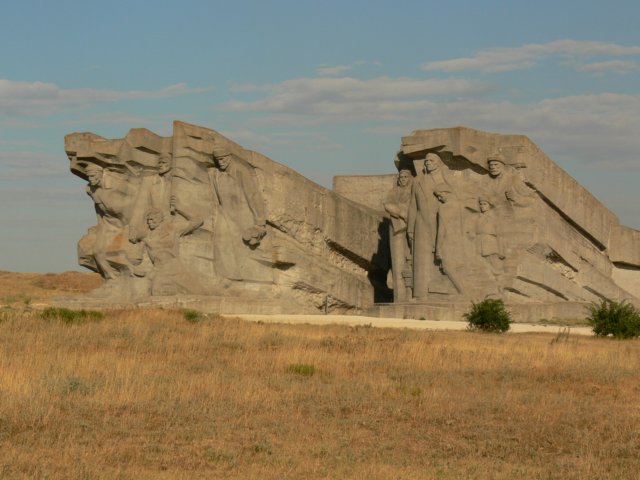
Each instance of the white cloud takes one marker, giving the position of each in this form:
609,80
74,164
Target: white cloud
23,98
348,98
587,129
584,127
615,66
328,70
333,70
526,56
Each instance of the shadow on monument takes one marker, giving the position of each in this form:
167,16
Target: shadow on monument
381,265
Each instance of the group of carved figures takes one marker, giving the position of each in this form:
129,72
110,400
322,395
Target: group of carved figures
450,229
142,224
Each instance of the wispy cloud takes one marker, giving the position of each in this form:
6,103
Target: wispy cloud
611,66
331,70
37,98
526,56
348,98
296,140
595,130
585,127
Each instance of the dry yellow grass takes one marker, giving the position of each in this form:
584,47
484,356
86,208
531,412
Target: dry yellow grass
150,395
27,288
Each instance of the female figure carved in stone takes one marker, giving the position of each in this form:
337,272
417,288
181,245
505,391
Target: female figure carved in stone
397,206
421,223
450,246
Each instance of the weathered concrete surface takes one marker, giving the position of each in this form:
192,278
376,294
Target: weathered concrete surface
369,190
624,245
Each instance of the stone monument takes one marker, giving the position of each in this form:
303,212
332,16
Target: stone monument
196,220
491,216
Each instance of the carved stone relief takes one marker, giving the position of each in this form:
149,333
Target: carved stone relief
196,214
471,215
397,207
485,222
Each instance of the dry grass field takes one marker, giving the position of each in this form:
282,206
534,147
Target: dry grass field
152,395
18,289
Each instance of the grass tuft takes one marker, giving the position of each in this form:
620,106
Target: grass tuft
301,369
70,317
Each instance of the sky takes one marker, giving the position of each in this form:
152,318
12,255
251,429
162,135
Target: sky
324,87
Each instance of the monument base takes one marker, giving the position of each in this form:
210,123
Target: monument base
236,305
206,304
454,311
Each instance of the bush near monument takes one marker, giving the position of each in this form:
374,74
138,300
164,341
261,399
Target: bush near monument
489,316
618,319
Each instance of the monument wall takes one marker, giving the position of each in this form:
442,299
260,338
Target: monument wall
369,190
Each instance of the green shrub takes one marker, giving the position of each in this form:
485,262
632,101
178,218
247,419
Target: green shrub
489,315
68,316
618,319
192,316
301,369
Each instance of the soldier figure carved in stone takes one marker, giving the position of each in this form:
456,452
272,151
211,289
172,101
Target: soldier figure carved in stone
421,223
508,187
240,223
489,240
169,276
113,206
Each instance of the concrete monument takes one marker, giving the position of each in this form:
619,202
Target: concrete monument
195,219
492,216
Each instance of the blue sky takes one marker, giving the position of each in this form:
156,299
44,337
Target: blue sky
327,88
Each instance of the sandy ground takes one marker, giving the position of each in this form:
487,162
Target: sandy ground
354,320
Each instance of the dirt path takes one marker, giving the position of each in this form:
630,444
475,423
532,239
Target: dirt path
354,320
